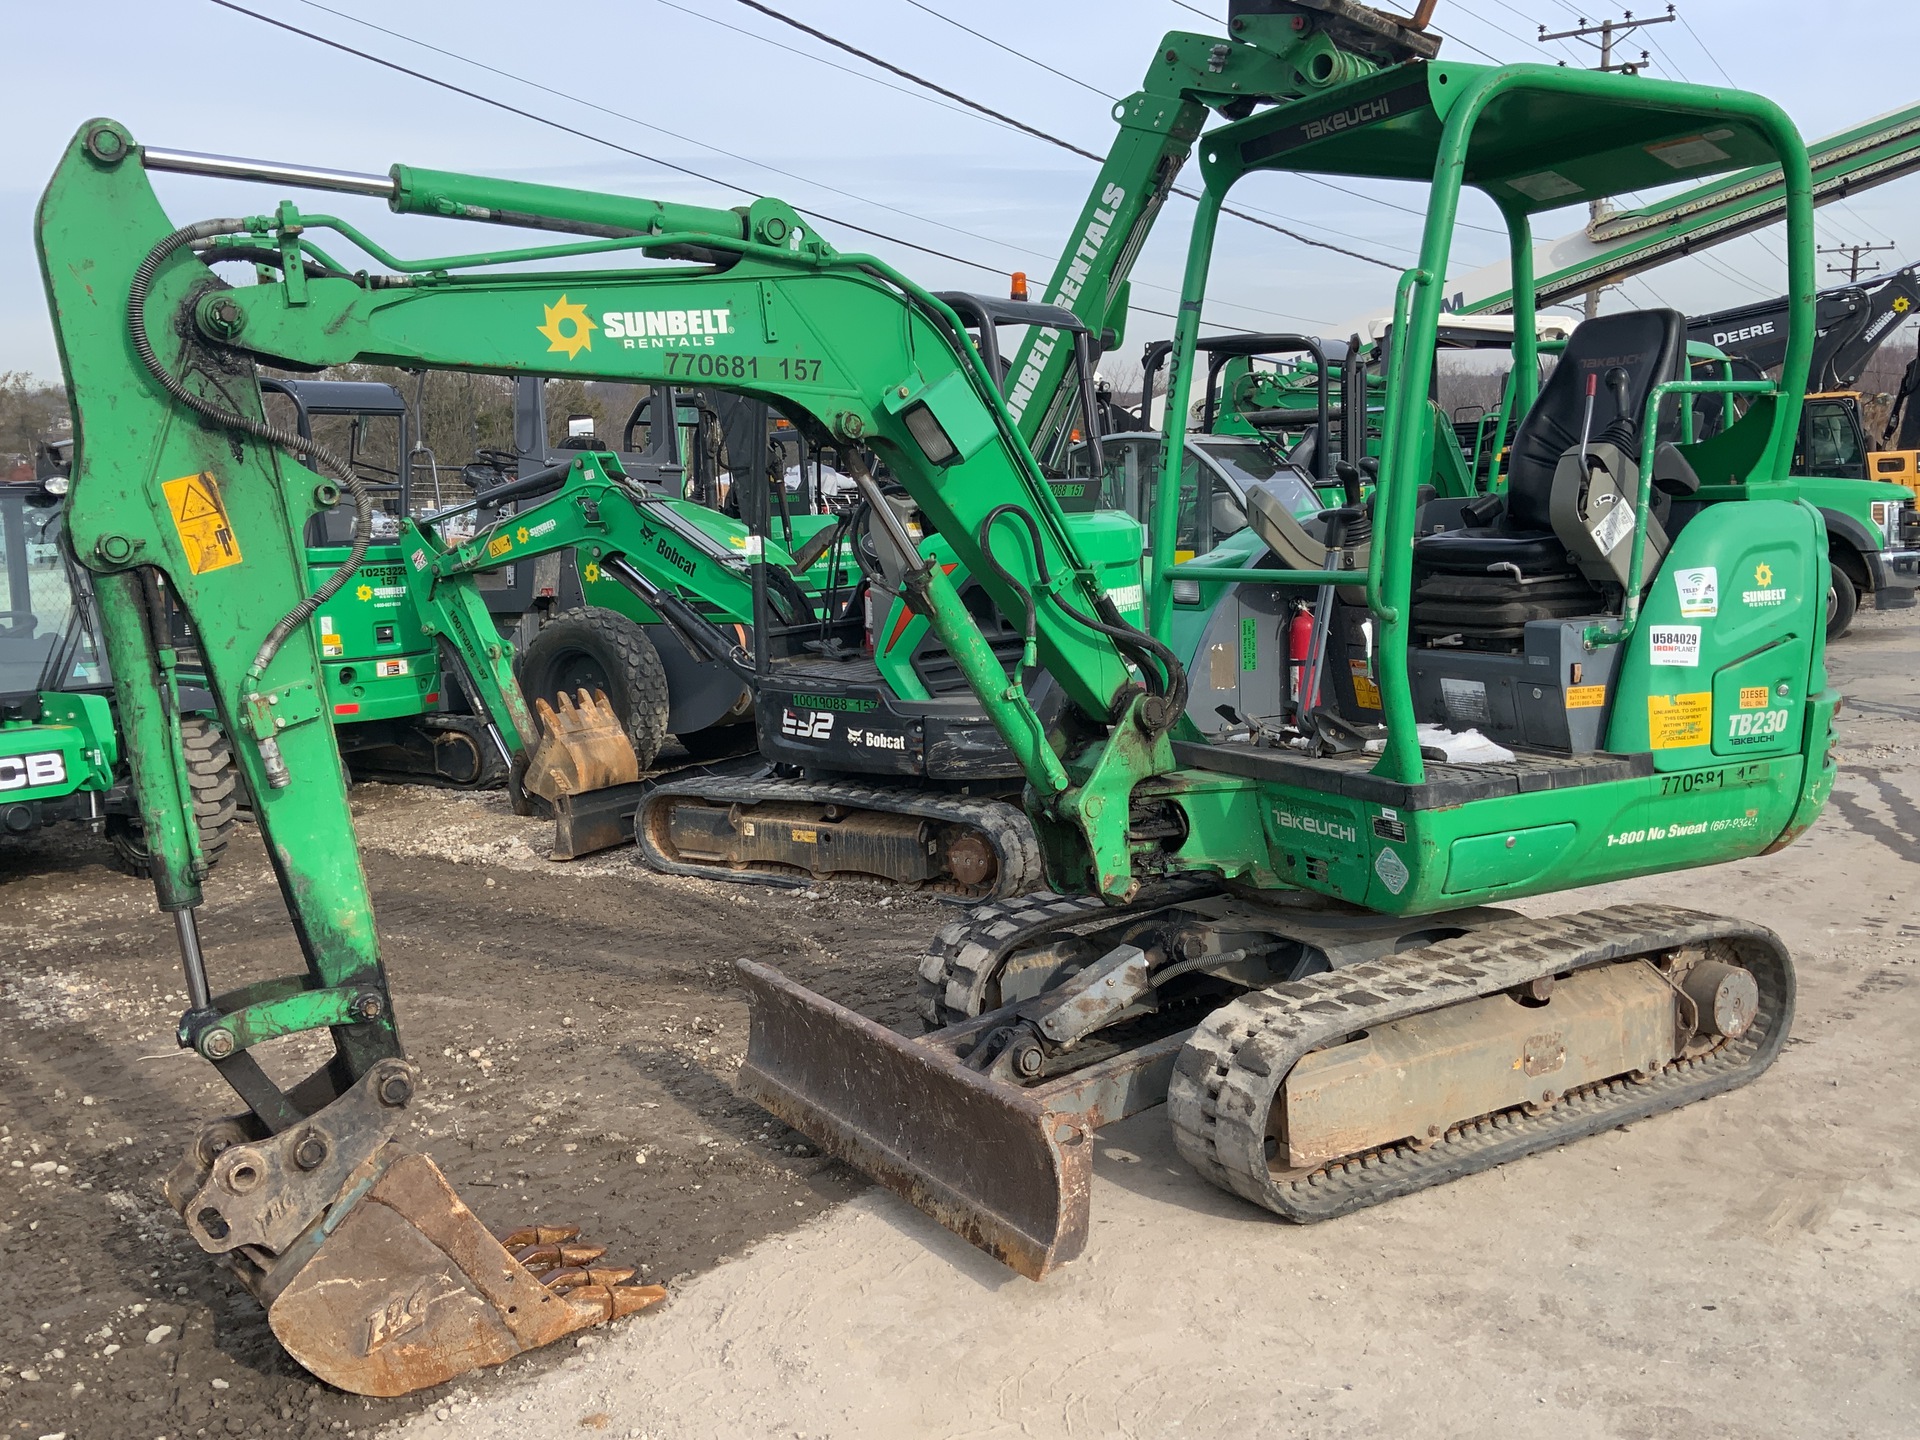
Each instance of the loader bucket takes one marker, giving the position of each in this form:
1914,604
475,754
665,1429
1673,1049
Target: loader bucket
402,1288
582,747
1006,1168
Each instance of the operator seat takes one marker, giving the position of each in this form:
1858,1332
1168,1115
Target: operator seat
1490,577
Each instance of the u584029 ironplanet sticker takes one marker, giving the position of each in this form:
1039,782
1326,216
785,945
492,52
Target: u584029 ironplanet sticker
1674,644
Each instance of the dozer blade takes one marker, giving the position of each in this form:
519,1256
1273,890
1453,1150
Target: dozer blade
374,1275
1007,1167
582,747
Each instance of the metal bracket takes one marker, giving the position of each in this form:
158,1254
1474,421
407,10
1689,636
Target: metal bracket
264,1193
272,711
1106,991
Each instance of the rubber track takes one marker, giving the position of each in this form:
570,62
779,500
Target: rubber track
1005,827
493,770
1230,1072
966,954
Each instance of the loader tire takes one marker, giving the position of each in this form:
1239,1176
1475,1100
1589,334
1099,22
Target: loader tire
214,782
596,649
1843,601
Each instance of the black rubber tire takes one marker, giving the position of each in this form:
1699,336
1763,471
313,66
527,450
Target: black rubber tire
596,649
215,782
1843,602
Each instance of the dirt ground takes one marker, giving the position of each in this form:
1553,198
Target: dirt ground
579,1028
1744,1267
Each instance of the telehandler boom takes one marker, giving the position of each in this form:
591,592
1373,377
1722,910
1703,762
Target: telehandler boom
1292,946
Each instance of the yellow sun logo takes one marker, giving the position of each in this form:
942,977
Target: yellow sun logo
569,341
1902,305
1763,574
592,573
365,592
521,534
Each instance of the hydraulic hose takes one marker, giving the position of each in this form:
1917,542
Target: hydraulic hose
310,450
1143,648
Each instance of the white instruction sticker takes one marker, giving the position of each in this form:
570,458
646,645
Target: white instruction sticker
1675,644
1699,592
1614,526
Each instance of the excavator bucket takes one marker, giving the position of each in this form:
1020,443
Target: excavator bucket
1007,1167
584,768
410,1290
582,746
374,1275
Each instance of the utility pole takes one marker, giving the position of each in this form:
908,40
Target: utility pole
1852,264
1602,37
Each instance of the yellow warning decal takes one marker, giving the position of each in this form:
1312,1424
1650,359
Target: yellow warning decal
806,837
1677,721
1586,697
499,545
206,535
1753,697
1366,694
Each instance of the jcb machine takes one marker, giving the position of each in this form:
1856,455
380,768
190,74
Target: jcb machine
61,756
1293,945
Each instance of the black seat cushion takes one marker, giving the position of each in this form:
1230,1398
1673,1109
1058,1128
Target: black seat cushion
1472,550
1648,344
1490,612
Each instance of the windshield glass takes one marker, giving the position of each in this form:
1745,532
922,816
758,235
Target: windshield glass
1211,507
36,603
1252,462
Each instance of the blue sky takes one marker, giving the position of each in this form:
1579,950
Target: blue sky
190,75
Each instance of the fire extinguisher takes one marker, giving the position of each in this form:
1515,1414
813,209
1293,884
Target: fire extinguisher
1299,645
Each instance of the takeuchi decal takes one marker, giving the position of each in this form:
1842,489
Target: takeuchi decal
568,328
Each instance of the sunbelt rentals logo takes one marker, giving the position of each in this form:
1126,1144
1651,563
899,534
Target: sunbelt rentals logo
568,328
1765,592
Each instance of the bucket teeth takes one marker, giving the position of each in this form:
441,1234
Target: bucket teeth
582,747
537,1235
613,1302
574,1276
546,1257
408,1289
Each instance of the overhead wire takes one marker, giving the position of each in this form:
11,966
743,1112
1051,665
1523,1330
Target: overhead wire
1001,45
771,13
1715,59
587,135
523,113
672,134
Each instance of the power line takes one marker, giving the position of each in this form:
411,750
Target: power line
808,55
1017,54
793,175
672,134
1038,134
584,134
1853,265
539,119
1706,52
1609,31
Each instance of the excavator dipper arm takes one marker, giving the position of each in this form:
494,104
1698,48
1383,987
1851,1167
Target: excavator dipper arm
374,1274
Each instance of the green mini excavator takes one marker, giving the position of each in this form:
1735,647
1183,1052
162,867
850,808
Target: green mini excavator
1293,940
